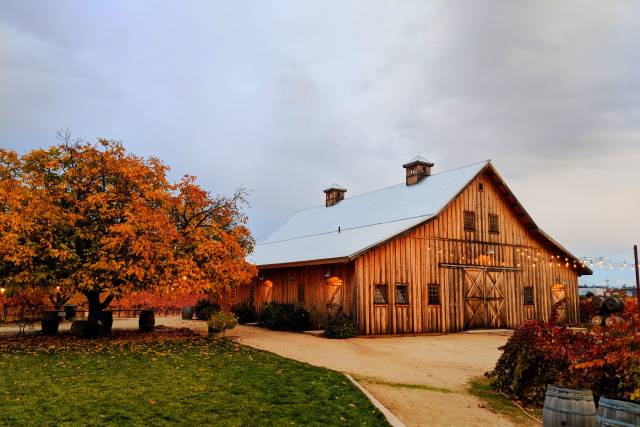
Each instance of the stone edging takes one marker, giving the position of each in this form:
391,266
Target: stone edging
392,419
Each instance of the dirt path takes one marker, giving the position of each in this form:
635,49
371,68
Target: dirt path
422,380
404,373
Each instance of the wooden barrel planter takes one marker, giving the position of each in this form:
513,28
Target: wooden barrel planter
617,413
613,304
50,323
566,407
147,321
70,312
597,302
187,313
107,322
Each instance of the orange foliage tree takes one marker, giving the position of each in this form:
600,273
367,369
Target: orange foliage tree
94,219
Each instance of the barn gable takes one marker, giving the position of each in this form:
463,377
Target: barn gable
344,230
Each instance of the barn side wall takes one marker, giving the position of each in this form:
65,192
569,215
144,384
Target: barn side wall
416,259
282,286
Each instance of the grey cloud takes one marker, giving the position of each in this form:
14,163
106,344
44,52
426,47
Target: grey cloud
284,97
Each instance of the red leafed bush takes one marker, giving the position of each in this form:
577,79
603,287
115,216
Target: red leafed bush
586,309
162,303
607,361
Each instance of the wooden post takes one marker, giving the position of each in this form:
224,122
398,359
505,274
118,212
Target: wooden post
635,255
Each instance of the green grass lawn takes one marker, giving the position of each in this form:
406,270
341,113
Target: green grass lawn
481,388
190,381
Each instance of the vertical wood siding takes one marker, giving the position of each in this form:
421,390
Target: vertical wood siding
415,259
285,283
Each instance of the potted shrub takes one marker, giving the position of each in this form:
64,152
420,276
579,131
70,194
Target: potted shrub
220,321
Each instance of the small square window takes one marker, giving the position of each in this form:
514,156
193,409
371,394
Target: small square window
528,295
470,220
493,224
300,294
252,294
480,186
402,294
434,294
380,296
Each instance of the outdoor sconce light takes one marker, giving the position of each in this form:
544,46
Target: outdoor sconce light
327,274
261,279
2,290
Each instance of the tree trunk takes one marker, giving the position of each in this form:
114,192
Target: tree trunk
95,306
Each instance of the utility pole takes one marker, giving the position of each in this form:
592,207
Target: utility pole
637,268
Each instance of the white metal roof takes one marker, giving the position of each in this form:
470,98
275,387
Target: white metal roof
360,222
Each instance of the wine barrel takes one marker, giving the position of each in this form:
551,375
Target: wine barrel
106,322
70,312
147,321
568,407
617,413
187,313
597,302
50,323
613,305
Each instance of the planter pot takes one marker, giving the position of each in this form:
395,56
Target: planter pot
187,313
216,333
50,323
147,321
70,312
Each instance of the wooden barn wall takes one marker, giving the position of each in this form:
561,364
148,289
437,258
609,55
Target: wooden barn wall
316,292
414,259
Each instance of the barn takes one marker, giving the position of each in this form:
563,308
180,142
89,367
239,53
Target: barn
440,252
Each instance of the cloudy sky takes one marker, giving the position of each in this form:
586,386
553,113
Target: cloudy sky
285,97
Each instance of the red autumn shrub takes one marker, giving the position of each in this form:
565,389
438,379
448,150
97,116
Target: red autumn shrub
163,303
586,310
605,360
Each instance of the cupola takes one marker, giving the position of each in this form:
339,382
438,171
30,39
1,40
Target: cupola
334,193
417,169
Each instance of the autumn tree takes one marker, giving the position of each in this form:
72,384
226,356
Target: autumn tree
95,219
214,239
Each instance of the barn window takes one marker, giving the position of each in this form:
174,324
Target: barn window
528,295
300,294
493,224
433,294
402,294
480,186
252,294
470,220
380,295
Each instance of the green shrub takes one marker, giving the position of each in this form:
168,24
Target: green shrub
285,317
221,320
205,308
246,313
340,326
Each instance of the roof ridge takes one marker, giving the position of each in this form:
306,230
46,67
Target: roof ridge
391,186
